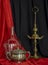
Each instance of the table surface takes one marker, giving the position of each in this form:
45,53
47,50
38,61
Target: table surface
31,61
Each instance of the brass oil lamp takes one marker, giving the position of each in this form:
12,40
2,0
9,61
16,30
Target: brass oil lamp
35,36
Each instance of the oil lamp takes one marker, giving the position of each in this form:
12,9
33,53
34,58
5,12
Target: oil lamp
35,36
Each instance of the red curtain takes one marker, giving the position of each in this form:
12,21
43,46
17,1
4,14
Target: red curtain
6,23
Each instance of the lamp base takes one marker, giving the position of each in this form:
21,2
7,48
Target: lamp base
36,57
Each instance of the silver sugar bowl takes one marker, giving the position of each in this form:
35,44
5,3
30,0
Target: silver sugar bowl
18,55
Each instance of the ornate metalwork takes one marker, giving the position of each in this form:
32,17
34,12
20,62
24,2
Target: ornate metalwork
19,55
13,50
35,36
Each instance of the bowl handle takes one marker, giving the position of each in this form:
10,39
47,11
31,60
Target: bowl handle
8,54
29,55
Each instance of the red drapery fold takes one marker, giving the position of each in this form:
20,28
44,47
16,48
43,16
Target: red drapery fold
41,61
6,23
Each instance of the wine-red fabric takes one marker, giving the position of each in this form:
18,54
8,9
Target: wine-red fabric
41,61
6,23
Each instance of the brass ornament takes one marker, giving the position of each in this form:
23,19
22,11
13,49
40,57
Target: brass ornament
35,36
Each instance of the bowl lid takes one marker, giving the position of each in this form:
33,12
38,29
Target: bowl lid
18,51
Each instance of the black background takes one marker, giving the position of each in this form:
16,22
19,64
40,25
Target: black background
23,22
